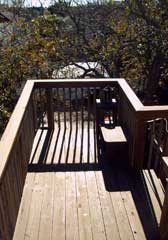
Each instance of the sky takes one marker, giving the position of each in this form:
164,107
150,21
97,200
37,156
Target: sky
45,3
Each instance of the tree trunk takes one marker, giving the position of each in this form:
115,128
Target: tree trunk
153,80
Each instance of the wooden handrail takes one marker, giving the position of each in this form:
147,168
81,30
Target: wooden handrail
19,135
132,113
15,150
131,96
72,83
14,125
51,83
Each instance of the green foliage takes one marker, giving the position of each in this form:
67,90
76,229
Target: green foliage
26,48
129,39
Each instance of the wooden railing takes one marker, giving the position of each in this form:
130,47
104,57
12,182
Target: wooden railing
129,106
156,149
15,149
17,141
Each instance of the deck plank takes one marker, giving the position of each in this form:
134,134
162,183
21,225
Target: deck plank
24,208
92,147
85,229
81,203
95,207
59,207
77,146
69,143
37,156
143,204
52,146
33,224
85,150
107,209
155,191
45,229
132,213
72,231
59,153
120,211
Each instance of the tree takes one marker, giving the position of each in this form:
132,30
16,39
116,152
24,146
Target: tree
25,53
93,35
129,39
151,41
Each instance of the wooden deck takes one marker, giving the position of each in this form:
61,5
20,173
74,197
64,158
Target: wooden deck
69,194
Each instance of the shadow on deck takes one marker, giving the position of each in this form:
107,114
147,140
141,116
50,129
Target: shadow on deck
128,203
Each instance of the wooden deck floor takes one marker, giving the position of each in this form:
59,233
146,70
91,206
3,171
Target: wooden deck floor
68,194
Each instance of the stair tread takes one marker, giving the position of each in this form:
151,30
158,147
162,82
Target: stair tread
114,135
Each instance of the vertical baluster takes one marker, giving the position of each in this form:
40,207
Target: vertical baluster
82,112
159,139
99,119
50,111
152,136
94,122
4,210
9,202
88,97
76,103
165,144
64,99
58,107
54,104
4,233
70,108
82,125
41,120
34,109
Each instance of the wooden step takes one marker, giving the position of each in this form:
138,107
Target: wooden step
115,147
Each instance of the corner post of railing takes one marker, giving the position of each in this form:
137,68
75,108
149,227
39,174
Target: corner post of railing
139,143
131,119
163,228
50,110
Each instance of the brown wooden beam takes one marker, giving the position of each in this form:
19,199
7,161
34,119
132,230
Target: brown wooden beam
163,228
50,111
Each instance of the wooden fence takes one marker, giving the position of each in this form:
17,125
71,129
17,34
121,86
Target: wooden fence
17,140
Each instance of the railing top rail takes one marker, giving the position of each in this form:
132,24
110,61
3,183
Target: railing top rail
132,98
101,82
11,132
153,112
53,83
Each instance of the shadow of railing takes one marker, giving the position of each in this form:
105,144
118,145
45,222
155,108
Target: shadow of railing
71,145
79,137
129,180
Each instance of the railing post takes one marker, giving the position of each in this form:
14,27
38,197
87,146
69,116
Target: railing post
139,144
50,111
163,229
34,113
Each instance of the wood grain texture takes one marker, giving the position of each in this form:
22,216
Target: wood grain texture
79,203
73,144
15,150
164,218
